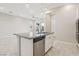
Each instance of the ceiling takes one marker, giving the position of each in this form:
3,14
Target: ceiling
28,9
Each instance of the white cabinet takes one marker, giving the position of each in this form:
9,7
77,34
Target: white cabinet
48,42
26,47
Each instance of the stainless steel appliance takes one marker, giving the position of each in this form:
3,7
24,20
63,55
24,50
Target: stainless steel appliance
39,46
77,31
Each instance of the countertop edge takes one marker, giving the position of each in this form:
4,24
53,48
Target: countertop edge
21,35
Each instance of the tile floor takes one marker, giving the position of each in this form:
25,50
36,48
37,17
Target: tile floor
61,48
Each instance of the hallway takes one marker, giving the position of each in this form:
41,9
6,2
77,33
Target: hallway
63,49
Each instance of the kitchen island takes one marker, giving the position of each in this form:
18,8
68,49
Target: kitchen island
32,45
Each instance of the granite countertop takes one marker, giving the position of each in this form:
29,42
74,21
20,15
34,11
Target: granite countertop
26,35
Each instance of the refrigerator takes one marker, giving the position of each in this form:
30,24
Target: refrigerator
77,31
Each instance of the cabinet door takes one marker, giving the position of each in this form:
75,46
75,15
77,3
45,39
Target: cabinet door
48,42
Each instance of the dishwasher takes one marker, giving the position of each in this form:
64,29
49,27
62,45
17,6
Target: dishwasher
39,46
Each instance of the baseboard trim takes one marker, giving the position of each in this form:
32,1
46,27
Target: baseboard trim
66,42
48,50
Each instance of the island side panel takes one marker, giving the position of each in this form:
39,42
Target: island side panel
26,47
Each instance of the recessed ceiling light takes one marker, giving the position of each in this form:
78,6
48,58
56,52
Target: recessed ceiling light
27,5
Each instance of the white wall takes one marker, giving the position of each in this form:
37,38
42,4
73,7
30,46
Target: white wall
10,25
65,24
